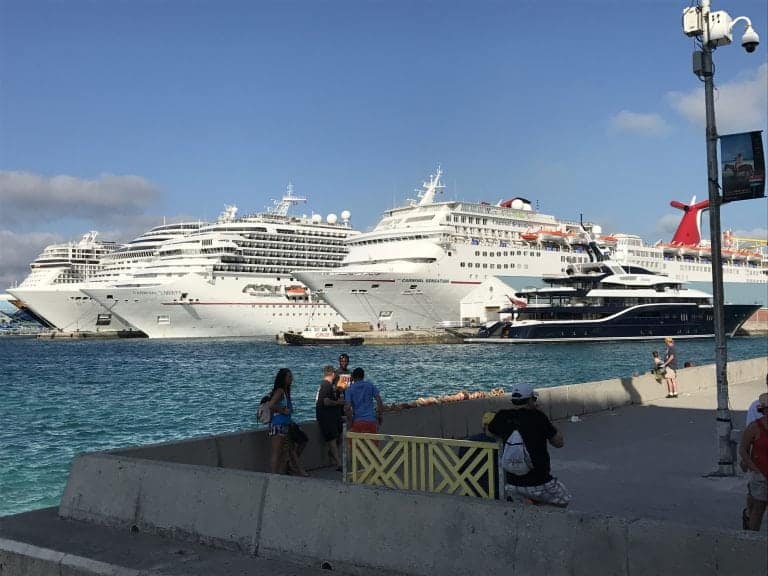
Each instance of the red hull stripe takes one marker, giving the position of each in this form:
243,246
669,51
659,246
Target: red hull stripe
463,282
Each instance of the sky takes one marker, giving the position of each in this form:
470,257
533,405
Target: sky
117,114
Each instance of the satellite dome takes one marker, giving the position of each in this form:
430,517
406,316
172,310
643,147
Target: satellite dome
517,204
331,218
346,215
527,208
316,218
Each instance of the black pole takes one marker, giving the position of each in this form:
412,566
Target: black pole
725,464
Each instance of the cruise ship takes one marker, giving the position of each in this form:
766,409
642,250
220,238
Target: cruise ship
234,278
416,265
52,290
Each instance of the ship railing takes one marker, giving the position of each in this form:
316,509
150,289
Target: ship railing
422,464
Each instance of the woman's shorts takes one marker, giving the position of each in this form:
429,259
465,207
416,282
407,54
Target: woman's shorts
670,373
278,430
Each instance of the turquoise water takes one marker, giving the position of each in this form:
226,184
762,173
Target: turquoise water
58,398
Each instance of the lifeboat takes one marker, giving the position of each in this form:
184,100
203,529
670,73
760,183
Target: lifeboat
529,236
705,252
553,236
688,251
670,250
739,255
608,240
296,291
754,257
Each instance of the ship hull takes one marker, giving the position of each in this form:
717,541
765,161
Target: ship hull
645,322
194,307
68,310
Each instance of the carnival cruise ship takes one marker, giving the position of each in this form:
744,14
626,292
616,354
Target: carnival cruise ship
420,260
52,289
234,278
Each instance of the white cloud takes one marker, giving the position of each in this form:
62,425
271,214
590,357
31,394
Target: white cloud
28,197
755,233
637,123
667,225
740,105
17,251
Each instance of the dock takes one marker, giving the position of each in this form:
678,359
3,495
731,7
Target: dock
636,462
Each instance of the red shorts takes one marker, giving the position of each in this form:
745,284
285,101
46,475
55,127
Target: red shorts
364,426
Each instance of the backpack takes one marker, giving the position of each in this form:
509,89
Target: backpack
264,413
515,458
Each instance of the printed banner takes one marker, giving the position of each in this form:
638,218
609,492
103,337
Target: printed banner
743,166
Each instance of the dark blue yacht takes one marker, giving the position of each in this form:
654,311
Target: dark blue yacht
602,300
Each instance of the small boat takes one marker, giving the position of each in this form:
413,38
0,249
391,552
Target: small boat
529,236
554,236
608,240
318,336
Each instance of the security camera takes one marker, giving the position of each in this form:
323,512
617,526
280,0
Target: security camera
750,40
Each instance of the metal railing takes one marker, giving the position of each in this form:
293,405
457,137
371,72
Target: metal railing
436,465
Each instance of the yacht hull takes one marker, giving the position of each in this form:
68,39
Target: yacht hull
644,322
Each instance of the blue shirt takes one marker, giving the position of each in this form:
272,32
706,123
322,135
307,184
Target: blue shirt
361,395
279,418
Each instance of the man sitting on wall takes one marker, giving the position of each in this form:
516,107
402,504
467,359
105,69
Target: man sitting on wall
536,431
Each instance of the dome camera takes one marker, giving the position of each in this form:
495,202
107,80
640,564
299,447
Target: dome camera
750,40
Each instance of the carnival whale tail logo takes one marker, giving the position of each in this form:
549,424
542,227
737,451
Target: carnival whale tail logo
688,232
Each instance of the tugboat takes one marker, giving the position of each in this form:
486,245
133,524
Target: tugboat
318,336
602,300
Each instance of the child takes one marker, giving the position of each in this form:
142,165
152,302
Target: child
657,370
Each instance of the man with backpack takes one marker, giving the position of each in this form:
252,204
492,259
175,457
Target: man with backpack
526,431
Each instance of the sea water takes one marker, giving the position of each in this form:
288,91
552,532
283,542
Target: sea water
59,398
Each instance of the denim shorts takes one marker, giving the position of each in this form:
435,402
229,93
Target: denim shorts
278,430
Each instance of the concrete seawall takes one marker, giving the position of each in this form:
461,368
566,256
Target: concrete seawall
211,490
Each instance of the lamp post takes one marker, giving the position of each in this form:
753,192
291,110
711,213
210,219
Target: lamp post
713,29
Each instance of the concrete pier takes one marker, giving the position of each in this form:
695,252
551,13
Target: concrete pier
634,460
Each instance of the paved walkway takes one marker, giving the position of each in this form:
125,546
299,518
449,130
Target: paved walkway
651,461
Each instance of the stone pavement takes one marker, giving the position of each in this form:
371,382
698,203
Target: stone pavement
651,461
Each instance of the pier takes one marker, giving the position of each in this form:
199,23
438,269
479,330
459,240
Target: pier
635,461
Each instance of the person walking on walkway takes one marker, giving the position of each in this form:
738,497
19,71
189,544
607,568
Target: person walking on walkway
752,412
753,451
536,431
359,400
328,413
670,367
342,377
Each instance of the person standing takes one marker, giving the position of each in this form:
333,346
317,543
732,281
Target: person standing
281,408
753,452
670,367
328,413
342,376
752,412
536,431
360,399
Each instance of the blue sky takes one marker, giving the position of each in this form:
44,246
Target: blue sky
115,114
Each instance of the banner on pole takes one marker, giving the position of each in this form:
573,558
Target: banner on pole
743,166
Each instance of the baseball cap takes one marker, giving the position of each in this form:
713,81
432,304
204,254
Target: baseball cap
522,392
487,417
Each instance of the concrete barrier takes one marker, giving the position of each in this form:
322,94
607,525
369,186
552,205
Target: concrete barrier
363,529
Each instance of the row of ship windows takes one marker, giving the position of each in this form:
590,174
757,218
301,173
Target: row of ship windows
508,253
493,266
384,240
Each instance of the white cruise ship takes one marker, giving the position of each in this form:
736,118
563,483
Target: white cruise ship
420,260
234,278
52,289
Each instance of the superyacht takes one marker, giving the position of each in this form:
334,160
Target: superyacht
234,278
416,265
52,290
